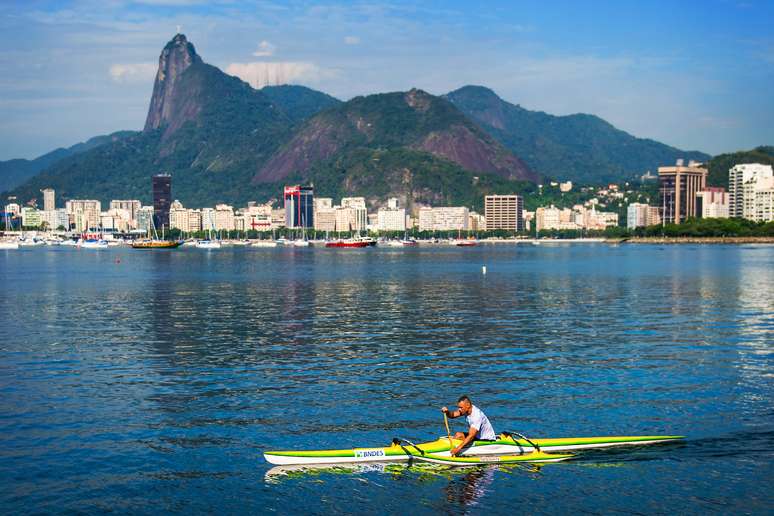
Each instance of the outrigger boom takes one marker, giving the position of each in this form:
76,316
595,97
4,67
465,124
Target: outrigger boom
506,445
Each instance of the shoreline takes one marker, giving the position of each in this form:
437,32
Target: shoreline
695,240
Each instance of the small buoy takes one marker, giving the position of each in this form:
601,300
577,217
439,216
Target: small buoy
483,269
118,260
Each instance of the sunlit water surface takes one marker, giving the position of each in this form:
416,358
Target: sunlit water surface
147,382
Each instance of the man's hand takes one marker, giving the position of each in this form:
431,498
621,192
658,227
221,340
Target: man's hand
444,410
455,451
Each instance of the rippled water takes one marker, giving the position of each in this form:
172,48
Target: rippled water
152,381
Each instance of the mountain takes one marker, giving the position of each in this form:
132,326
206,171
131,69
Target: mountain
210,130
582,148
14,172
412,121
719,165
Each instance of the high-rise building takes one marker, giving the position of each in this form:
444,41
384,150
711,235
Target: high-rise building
162,200
504,212
642,215
764,200
299,206
444,218
678,188
130,206
85,213
712,203
391,219
742,184
49,199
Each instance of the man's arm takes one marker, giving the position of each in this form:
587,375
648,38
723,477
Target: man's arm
450,414
472,433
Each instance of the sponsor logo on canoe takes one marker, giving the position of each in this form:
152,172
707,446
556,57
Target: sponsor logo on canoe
484,458
366,453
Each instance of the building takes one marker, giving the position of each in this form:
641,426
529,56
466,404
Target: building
278,217
391,218
764,200
678,188
208,219
145,219
257,218
299,206
55,219
224,217
131,207
712,203
30,217
577,218
742,183
449,218
325,219
504,212
162,200
641,215
565,187
476,221
360,212
49,199
84,213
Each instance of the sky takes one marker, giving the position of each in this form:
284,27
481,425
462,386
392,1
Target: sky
694,74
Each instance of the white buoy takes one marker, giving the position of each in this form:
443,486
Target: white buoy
483,269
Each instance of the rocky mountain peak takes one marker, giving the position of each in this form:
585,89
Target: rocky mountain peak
176,57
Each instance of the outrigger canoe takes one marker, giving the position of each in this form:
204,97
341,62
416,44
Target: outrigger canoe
504,446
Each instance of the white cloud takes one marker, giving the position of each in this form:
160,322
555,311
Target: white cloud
260,74
352,40
265,49
132,72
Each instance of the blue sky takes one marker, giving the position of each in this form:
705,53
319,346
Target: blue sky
697,75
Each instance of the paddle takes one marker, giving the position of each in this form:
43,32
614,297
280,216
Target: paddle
448,432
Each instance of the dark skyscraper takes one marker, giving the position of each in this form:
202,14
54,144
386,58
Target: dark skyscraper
299,206
162,199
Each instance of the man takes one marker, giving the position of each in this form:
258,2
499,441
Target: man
480,427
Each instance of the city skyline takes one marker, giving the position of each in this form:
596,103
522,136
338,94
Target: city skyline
82,69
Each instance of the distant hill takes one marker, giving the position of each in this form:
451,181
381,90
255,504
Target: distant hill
16,171
582,148
720,164
210,130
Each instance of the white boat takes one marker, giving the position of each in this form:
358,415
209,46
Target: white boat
239,242
69,242
301,243
30,242
208,244
90,243
9,244
264,243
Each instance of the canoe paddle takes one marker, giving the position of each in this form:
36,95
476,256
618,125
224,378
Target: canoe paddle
448,432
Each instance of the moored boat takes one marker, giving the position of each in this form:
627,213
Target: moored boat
505,445
208,244
156,244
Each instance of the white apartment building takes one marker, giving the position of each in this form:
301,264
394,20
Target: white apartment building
54,219
712,203
764,200
391,219
742,181
448,218
359,212
224,217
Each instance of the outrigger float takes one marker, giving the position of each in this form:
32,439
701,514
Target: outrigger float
509,447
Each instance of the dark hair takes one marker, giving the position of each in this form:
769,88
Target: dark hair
464,398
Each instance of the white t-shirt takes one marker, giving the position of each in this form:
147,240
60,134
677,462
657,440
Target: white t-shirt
480,422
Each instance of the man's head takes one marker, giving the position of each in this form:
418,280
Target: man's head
465,405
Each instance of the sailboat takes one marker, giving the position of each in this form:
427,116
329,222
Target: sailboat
208,243
156,242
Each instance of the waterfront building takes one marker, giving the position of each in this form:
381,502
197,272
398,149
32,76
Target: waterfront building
84,213
145,219
325,219
54,219
742,182
115,220
224,217
278,217
347,219
360,212
13,209
391,218
642,215
208,219
504,212
577,218
162,199
476,221
49,199
764,200
679,185
712,203
257,217
449,218
30,217
131,207
299,206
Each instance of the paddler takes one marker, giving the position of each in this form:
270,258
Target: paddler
480,427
